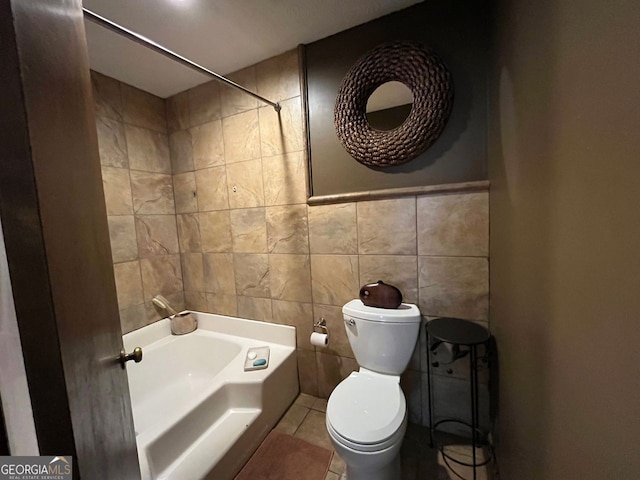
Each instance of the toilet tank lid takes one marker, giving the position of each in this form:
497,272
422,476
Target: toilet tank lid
405,313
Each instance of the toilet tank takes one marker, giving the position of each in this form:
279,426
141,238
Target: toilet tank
382,339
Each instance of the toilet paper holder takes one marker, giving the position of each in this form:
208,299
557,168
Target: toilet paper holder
321,324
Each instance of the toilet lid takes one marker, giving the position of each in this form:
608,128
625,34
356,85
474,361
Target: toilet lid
366,408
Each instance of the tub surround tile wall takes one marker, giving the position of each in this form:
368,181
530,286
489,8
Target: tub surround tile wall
287,230
136,171
122,233
143,109
113,148
234,101
285,179
240,195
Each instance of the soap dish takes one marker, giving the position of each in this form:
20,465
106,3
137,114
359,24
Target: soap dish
257,358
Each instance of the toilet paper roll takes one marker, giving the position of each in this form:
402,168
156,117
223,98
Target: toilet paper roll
319,339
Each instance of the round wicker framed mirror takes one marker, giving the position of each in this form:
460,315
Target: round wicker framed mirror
430,82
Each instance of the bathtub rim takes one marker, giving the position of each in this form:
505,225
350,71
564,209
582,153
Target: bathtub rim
240,327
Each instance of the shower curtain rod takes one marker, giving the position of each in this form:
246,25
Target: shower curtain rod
145,42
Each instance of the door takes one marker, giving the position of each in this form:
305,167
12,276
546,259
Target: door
57,241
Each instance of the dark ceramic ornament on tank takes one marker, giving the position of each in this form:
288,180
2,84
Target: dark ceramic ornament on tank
380,295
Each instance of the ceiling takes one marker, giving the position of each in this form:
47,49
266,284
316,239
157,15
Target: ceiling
222,35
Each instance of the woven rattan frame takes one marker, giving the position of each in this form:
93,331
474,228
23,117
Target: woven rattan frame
429,79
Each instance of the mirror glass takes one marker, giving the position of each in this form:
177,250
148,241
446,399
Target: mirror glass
389,105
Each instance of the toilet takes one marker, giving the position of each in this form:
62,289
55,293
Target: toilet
367,412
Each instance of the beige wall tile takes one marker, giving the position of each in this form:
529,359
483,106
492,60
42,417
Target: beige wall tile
244,181
290,277
107,97
161,275
387,227
204,103
219,273
338,340
185,192
285,179
192,271
143,109
189,233
181,152
178,112
249,230
152,193
215,231
208,147
255,308
235,101
331,371
148,150
252,274
157,235
333,229
334,279
398,270
278,78
299,315
454,225
281,132
211,184
287,230
241,137
132,318
122,233
128,284
454,287
307,372
222,304
117,191
411,384
112,143
195,301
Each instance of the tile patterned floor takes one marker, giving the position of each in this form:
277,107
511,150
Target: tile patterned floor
306,419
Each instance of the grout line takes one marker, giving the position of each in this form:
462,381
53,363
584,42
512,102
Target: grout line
302,421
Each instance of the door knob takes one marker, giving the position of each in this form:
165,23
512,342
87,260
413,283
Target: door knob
136,356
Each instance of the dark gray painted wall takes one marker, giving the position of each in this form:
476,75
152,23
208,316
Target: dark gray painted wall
458,32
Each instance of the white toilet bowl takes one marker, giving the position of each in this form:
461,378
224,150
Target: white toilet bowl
366,420
367,411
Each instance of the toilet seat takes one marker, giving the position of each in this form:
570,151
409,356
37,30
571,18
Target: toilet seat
366,411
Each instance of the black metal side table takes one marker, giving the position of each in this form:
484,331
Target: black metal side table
458,333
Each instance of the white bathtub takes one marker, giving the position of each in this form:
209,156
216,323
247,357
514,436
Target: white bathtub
197,413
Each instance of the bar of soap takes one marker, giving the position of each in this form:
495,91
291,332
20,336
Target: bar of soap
259,362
